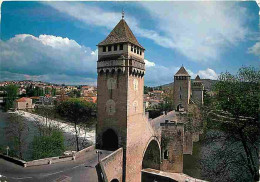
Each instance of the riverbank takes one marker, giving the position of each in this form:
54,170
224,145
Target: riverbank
34,122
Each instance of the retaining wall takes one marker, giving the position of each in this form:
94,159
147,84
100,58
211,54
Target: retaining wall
49,160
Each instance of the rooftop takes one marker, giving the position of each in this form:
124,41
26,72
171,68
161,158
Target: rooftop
182,72
197,78
121,34
23,99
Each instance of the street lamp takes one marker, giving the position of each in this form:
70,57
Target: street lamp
7,149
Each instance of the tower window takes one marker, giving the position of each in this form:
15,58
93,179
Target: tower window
180,96
132,48
166,154
121,47
104,48
135,50
115,47
180,88
140,51
109,48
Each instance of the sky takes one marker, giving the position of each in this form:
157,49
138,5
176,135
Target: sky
56,41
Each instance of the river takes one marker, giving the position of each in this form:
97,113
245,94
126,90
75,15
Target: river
31,120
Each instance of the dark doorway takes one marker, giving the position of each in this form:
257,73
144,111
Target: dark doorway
152,156
114,180
109,140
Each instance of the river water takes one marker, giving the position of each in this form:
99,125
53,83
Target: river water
69,141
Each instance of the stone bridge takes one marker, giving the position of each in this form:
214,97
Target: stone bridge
149,157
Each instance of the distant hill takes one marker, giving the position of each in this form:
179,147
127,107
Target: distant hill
208,83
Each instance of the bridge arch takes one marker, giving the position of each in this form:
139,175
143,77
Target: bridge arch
152,154
109,140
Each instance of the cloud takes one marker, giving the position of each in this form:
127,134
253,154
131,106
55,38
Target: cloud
62,60
159,75
199,30
255,49
47,58
208,74
148,63
88,14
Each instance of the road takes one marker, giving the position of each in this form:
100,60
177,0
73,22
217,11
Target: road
81,170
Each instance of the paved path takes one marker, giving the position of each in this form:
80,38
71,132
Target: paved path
83,169
155,123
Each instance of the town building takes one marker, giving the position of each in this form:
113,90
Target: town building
23,103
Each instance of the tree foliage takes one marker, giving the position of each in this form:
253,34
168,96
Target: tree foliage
234,111
48,145
17,132
76,111
147,89
11,94
74,94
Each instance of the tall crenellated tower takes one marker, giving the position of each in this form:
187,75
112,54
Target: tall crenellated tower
120,85
197,90
182,89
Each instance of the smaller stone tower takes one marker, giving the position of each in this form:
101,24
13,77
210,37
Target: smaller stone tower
197,91
172,146
182,89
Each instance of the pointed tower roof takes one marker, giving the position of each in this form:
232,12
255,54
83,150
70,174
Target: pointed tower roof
197,78
182,72
120,34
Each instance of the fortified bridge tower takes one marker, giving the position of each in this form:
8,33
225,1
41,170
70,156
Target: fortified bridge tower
121,122
122,126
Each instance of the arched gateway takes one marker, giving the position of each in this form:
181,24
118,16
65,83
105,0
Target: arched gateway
109,140
151,158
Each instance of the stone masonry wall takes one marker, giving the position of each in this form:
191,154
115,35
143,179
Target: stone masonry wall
172,146
111,166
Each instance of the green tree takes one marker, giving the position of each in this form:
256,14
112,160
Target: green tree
76,111
47,113
47,90
48,145
74,94
234,110
17,132
147,89
53,91
11,95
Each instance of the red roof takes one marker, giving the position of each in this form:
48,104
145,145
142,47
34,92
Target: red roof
35,97
23,99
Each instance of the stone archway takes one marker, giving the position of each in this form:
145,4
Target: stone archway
152,155
109,140
114,180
